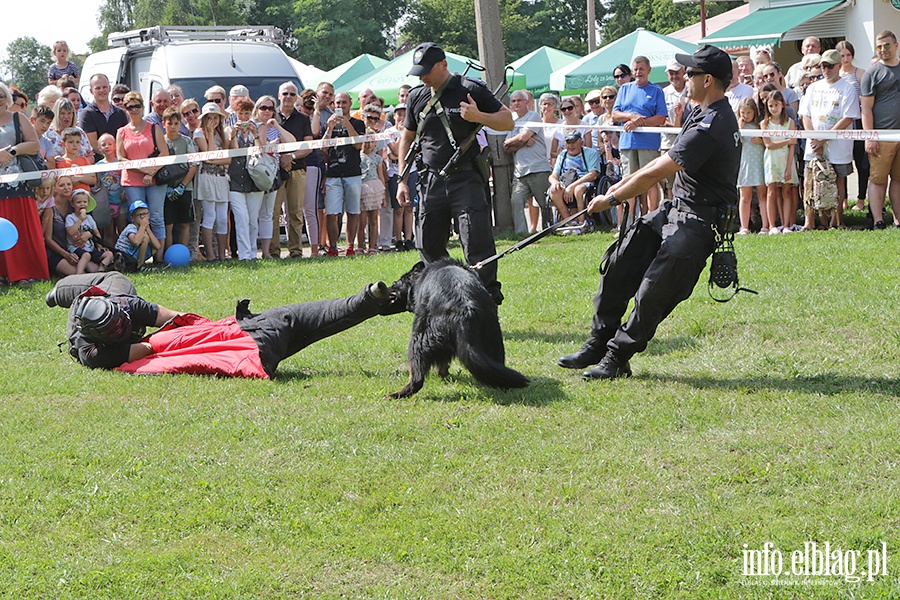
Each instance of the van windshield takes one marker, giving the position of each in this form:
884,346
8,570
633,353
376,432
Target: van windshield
258,86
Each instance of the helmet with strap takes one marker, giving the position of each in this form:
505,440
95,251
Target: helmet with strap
100,319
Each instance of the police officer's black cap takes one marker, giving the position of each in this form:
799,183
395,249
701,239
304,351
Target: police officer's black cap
708,59
425,56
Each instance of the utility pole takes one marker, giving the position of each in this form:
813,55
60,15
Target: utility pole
591,26
492,58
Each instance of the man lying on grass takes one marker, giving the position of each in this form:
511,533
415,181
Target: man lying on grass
108,320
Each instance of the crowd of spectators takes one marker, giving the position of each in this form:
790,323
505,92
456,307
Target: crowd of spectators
218,212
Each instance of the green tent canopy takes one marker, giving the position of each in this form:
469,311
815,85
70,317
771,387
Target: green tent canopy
537,66
386,80
596,69
354,68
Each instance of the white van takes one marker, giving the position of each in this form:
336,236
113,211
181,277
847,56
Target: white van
195,58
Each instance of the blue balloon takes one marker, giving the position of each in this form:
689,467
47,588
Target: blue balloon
177,255
9,235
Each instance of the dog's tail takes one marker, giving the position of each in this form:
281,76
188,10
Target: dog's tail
487,370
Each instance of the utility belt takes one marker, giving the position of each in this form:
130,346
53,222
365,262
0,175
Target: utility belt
710,214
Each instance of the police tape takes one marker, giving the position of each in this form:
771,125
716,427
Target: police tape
875,135
196,157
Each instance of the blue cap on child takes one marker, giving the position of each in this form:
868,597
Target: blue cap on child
136,205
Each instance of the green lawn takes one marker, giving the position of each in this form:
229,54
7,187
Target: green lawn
773,418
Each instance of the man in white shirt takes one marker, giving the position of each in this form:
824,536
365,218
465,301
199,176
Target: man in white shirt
810,45
676,100
737,91
830,104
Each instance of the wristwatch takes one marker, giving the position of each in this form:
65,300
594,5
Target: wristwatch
613,201
12,150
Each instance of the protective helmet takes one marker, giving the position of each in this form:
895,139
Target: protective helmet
100,319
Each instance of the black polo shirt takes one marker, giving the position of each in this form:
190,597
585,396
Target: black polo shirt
298,124
92,120
436,148
709,151
343,161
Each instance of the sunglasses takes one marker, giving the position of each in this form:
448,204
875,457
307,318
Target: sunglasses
373,118
192,111
608,97
118,99
827,66
594,101
693,73
266,108
288,93
134,107
620,76
566,108
215,100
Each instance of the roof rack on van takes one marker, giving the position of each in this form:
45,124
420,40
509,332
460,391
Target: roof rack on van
162,34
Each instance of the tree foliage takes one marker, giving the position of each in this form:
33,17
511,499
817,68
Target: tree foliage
331,32
624,16
526,24
27,62
327,33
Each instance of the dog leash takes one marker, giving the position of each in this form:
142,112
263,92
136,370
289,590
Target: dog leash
530,239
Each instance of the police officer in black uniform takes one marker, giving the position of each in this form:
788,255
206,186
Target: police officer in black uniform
660,258
462,195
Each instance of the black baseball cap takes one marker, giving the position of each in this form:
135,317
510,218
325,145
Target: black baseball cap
573,135
708,59
425,56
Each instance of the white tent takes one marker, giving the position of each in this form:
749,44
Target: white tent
308,74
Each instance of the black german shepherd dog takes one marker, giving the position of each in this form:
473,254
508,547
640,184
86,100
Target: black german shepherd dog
454,316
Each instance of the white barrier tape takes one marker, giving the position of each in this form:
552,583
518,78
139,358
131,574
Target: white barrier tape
876,135
197,157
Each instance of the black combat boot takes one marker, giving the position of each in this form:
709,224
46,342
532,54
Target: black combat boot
611,366
589,354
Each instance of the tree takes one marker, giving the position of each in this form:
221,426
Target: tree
331,32
526,24
624,16
27,63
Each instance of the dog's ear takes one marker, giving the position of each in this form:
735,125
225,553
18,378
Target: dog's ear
418,267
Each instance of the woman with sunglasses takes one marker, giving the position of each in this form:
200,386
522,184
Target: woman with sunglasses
136,141
211,182
272,133
190,117
622,75
609,140
569,111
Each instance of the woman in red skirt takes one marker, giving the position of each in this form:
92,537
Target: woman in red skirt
26,261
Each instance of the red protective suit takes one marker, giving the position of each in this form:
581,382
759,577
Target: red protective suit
194,344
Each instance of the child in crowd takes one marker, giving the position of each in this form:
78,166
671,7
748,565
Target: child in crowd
43,194
137,239
179,208
372,197
112,181
779,165
752,173
72,146
41,118
81,229
62,66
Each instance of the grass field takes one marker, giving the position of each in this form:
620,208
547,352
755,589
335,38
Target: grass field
773,418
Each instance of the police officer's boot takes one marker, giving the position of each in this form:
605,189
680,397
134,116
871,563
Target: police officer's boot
611,366
589,354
